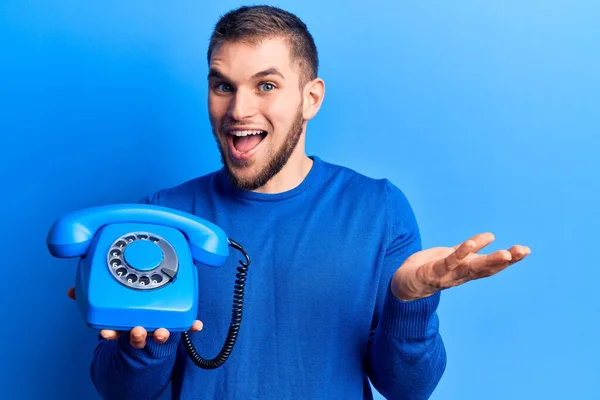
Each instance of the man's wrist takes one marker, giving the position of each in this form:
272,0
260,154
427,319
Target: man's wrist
408,319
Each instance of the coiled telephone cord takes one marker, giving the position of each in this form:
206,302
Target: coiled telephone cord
236,319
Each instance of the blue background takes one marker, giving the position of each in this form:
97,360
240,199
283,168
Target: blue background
485,113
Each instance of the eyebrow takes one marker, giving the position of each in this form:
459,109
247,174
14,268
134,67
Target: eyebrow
267,72
213,73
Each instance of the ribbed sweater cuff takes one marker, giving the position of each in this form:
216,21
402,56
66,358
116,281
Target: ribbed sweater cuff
408,319
152,349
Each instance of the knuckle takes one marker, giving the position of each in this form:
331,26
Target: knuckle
472,273
421,275
437,284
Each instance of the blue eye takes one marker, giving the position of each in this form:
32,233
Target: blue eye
223,87
267,87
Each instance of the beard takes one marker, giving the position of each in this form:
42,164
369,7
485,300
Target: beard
276,160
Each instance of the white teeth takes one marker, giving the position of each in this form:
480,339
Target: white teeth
245,133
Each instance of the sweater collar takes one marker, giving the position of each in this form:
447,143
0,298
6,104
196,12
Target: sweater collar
272,197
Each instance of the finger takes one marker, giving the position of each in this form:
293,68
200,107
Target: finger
197,326
441,267
138,337
161,335
481,266
110,335
486,265
519,252
472,245
481,240
500,259
71,293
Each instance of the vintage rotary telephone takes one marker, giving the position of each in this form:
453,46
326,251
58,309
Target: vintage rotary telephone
137,268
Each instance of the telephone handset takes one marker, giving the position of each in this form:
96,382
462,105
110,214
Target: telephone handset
137,268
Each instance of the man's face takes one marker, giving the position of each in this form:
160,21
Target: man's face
255,108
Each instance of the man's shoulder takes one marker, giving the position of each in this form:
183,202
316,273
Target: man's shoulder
374,195
183,193
350,179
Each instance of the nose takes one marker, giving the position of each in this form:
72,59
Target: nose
242,105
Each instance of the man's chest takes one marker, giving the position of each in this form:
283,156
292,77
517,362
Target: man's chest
305,263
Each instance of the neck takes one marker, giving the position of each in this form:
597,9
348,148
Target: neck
291,175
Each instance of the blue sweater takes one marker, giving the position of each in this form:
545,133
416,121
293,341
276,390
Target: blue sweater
319,317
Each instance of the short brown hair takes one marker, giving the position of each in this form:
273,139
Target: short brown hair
252,24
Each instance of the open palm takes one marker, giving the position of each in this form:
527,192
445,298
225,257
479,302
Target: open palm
438,268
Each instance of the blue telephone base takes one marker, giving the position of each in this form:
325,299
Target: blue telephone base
106,303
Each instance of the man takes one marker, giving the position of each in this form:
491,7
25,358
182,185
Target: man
339,290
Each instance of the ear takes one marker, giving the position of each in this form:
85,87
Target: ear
313,95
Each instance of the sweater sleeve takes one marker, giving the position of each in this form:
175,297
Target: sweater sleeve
406,356
120,371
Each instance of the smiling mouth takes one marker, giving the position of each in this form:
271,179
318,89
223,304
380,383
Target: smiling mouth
244,141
